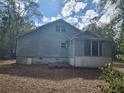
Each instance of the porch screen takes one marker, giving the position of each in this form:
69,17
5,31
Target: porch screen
87,49
92,48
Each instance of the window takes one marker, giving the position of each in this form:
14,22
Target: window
92,48
63,45
57,28
87,48
60,28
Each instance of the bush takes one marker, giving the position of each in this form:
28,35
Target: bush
114,80
120,57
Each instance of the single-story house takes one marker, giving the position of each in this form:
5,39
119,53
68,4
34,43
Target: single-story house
60,42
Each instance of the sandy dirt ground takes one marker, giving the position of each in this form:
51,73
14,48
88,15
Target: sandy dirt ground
16,78
119,66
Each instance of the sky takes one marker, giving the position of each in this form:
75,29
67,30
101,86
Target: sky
76,12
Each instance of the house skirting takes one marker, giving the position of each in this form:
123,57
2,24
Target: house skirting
77,61
40,60
86,61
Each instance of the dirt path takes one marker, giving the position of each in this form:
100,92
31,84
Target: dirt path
41,79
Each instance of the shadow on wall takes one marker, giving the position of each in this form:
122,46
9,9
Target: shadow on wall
44,72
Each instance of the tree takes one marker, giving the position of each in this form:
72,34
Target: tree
119,40
15,19
106,31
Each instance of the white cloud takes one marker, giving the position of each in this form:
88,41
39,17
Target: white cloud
68,8
45,19
90,14
78,21
36,1
55,18
104,20
96,1
81,25
79,5
72,6
85,20
72,19
38,24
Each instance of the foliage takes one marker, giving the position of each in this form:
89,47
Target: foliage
114,80
106,32
120,57
103,4
15,19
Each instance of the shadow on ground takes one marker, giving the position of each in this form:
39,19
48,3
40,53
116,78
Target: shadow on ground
45,72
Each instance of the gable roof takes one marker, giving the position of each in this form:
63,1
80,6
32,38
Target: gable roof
61,20
36,29
88,32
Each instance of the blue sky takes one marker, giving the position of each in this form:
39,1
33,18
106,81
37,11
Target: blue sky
52,8
76,12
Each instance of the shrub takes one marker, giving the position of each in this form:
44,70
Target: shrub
114,80
120,57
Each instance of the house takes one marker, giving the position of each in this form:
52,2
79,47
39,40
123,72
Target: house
59,42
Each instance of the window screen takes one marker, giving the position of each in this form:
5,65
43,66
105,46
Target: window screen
87,49
94,48
100,49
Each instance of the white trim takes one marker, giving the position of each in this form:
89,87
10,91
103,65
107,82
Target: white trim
74,51
91,48
98,48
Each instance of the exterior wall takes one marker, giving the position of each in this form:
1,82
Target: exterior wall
85,61
72,61
21,60
79,48
107,49
71,49
45,41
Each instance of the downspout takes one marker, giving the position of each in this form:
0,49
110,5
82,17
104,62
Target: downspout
98,48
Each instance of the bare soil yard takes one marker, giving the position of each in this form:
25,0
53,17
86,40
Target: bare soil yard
42,79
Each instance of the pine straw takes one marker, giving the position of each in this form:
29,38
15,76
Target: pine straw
42,79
